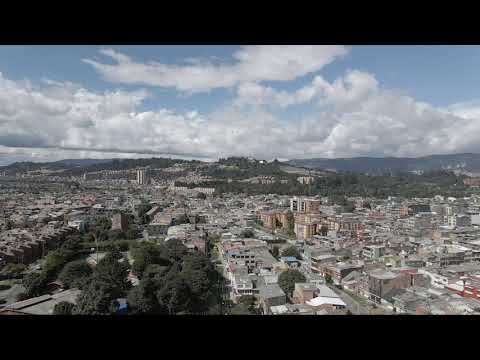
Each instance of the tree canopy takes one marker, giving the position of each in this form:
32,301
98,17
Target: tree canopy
99,297
63,308
248,233
74,274
13,270
145,254
291,251
173,280
288,279
35,284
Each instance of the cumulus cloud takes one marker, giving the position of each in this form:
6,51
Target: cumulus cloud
250,64
352,116
357,117
353,88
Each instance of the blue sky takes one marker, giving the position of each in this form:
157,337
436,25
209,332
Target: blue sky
300,101
440,75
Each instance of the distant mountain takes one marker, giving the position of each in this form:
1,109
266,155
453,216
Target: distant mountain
55,165
74,167
81,162
463,163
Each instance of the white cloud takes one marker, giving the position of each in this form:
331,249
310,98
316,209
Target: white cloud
353,116
350,89
251,63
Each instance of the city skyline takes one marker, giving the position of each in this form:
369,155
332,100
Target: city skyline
208,102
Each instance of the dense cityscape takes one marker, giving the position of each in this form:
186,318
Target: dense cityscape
163,236
260,180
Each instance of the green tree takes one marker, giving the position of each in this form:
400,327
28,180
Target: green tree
328,279
247,233
98,298
197,272
115,235
22,296
240,309
145,254
176,250
143,209
155,272
323,230
275,251
56,260
349,207
74,274
249,301
288,279
63,308
142,299
131,234
113,272
35,284
9,225
291,251
175,296
13,270
72,242
201,196
182,219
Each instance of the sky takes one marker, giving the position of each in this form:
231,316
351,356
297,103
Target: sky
267,102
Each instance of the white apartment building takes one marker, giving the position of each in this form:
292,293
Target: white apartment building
142,177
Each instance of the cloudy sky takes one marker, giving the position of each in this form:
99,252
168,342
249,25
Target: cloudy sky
214,101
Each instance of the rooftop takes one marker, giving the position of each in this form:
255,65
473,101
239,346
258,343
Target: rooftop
270,291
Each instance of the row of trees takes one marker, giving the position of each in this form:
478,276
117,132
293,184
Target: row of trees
36,283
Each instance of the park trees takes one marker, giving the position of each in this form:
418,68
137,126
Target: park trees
74,274
142,298
288,279
291,251
35,284
99,297
113,270
12,270
145,254
247,233
63,308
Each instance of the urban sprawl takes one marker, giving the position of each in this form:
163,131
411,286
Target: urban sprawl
168,241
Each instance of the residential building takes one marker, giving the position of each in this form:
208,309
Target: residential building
271,295
120,222
142,177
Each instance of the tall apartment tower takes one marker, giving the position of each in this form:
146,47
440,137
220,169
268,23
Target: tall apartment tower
303,205
142,177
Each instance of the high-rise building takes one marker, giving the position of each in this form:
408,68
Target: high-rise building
142,177
303,205
306,180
